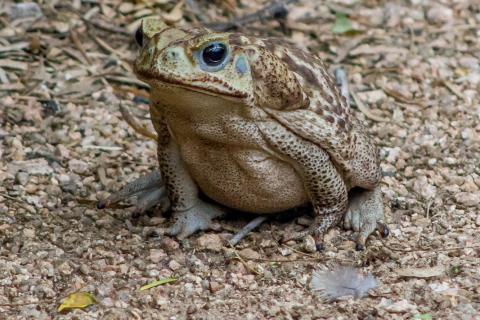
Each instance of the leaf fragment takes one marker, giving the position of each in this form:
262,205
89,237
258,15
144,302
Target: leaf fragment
158,283
342,24
424,316
77,300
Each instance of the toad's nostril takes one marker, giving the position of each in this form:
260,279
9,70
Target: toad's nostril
139,36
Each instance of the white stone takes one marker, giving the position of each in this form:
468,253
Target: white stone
78,166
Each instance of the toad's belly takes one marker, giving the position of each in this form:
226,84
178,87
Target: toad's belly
244,179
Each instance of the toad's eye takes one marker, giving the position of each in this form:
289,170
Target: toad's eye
213,57
214,54
139,36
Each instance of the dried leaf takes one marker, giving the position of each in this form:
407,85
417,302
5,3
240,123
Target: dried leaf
13,64
12,87
158,283
15,46
421,272
342,24
77,300
25,10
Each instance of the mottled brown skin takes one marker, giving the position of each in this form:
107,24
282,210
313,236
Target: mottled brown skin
267,132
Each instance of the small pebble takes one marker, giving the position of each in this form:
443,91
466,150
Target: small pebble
439,14
157,255
215,286
22,178
29,233
78,166
174,265
469,199
210,241
169,245
249,254
309,244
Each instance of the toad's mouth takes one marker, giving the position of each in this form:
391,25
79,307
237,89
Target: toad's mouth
196,85
207,91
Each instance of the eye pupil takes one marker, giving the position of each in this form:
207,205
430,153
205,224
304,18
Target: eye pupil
214,54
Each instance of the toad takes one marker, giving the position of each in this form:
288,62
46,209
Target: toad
257,125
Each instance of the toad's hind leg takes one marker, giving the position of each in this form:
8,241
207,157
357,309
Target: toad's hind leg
323,183
149,190
365,215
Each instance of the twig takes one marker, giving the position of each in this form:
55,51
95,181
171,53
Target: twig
40,99
73,54
99,24
108,27
130,119
102,175
343,52
429,204
244,262
299,252
103,148
285,260
11,198
450,86
47,155
361,106
274,10
127,80
20,202
247,229
429,249
79,46
24,303
401,98
121,56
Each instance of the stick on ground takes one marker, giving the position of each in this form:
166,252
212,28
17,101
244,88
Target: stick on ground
247,229
274,10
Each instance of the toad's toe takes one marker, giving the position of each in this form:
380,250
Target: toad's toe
197,218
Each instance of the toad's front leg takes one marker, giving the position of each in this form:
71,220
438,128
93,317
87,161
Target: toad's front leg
172,188
191,214
323,183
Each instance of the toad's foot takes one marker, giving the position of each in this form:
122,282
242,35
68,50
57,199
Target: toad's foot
318,229
149,190
195,219
365,215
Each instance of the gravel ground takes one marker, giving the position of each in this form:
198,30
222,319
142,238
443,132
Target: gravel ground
414,67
